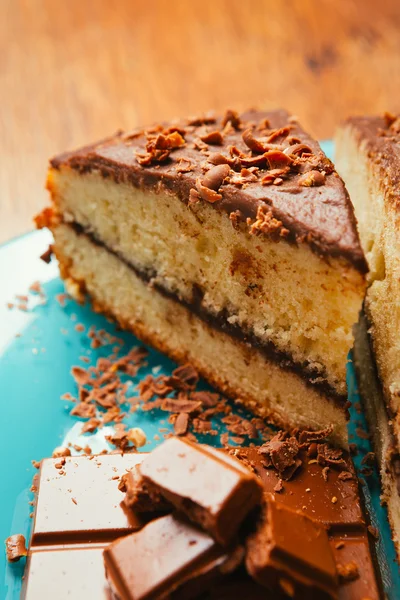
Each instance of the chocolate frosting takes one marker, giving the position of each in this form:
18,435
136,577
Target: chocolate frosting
276,167
381,138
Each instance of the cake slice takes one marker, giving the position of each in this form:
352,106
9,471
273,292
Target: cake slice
229,242
368,157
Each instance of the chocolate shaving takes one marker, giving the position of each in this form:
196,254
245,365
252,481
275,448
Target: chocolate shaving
346,475
207,399
288,473
232,117
181,424
278,159
312,178
120,437
61,452
266,223
194,197
298,149
214,138
201,426
362,434
203,120
91,425
279,133
214,178
158,147
198,144
216,158
305,437
182,406
369,459
332,457
255,161
208,187
282,453
184,166
46,256
235,218
255,145
188,375
325,473
84,410
373,531
273,174
206,193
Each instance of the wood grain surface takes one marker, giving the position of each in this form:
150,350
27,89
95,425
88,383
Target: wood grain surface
71,72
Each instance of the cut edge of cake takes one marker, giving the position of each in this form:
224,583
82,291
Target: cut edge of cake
384,440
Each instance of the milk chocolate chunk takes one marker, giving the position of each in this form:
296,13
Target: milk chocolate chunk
212,489
140,497
290,553
15,547
169,558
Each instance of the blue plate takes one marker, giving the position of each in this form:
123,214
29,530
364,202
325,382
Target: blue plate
37,349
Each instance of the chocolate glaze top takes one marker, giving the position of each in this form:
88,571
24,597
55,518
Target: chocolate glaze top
381,138
259,167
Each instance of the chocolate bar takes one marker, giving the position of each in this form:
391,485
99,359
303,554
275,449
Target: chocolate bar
210,488
169,556
332,500
290,552
80,510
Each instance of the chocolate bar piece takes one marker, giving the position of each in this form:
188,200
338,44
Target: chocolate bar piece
212,489
79,501
75,573
169,557
291,552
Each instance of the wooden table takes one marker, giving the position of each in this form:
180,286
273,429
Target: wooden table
71,72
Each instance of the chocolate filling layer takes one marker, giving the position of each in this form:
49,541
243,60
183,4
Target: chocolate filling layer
220,322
